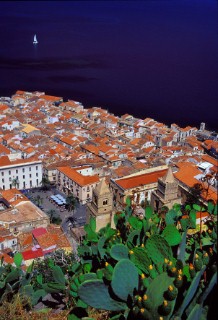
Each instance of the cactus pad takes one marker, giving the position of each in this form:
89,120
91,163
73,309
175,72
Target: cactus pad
95,294
156,291
125,279
158,249
141,259
172,235
119,251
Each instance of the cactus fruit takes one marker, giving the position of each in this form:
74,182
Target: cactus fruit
172,272
152,272
205,258
165,308
171,293
178,282
144,314
135,311
139,301
192,270
198,263
109,267
146,302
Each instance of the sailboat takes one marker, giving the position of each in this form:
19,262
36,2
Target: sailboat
35,40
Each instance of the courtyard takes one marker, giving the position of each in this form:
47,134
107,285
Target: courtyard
46,201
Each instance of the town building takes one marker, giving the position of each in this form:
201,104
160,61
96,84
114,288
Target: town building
19,214
20,173
138,186
78,181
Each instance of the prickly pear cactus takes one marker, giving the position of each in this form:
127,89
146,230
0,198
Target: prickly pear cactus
158,249
156,291
125,279
96,294
171,235
140,258
119,251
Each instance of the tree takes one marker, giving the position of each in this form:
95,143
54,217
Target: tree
71,202
52,214
45,183
72,220
38,200
15,183
194,194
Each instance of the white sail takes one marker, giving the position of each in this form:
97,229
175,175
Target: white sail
35,39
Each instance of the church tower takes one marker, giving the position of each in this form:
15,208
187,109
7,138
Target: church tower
101,205
166,193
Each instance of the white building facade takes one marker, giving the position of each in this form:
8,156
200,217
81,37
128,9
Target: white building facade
21,174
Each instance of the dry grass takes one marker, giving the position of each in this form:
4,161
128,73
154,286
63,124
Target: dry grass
15,310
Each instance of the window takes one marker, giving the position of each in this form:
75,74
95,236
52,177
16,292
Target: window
87,195
16,171
37,182
23,176
30,176
23,170
9,172
2,174
37,174
105,202
31,183
36,167
30,169
3,180
9,178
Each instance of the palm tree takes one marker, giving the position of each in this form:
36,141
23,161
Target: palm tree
52,214
45,183
38,200
15,182
71,202
72,220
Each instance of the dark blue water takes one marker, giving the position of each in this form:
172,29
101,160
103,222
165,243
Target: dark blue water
154,59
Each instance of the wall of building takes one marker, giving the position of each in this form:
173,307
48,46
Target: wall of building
27,176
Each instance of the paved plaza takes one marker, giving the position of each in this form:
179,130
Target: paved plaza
46,204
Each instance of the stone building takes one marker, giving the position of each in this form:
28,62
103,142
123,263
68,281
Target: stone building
166,193
101,205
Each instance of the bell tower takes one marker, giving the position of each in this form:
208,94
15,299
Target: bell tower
166,193
101,205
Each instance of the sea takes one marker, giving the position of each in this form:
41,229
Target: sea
156,59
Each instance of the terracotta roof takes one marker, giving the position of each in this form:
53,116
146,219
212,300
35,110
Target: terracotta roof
47,240
207,158
77,177
38,232
6,257
147,178
30,254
